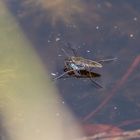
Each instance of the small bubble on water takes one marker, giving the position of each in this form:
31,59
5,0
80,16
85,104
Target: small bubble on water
88,51
97,27
115,108
53,74
131,35
57,39
135,18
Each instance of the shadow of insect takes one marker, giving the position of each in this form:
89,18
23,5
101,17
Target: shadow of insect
80,67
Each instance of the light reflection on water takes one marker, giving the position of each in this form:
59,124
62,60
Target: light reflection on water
110,29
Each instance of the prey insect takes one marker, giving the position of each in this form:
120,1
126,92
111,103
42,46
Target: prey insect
79,67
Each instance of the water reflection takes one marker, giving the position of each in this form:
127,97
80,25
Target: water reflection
101,29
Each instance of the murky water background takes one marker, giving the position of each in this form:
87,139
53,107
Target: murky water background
97,29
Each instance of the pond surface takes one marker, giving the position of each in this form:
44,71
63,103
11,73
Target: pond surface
97,30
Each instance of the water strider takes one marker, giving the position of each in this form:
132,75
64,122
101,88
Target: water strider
79,67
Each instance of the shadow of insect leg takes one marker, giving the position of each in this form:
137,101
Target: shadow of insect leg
93,81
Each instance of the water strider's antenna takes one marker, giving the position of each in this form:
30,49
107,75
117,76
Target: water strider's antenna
65,53
73,50
95,83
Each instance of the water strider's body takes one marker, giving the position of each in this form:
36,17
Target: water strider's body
80,63
81,67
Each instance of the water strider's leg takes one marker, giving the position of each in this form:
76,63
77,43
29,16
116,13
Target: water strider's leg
93,81
60,76
107,60
77,73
